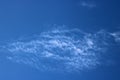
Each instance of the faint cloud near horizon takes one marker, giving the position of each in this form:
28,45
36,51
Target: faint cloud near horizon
87,4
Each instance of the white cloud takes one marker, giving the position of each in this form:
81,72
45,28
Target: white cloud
116,35
60,49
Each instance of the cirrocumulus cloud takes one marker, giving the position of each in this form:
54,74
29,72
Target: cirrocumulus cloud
61,49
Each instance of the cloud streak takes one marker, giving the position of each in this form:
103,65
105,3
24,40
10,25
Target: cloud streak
87,4
61,50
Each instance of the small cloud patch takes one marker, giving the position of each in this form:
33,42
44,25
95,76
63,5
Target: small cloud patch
87,4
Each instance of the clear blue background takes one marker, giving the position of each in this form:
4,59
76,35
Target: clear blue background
28,17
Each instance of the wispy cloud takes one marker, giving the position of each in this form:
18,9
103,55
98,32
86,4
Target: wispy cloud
61,49
87,4
116,35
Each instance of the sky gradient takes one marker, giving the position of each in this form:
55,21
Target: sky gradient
59,40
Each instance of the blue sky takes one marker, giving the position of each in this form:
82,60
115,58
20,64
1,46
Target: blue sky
59,39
